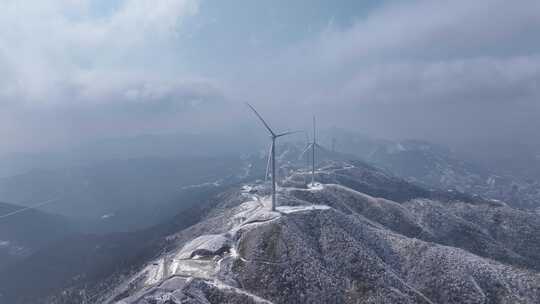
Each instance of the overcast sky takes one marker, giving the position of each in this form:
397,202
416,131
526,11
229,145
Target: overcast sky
76,70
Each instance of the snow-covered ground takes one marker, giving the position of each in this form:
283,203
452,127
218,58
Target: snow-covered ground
202,257
293,209
155,272
315,186
327,241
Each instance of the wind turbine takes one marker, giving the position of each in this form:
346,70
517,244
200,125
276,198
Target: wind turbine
272,151
308,144
313,145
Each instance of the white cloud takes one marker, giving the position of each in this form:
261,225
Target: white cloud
65,54
428,29
48,48
425,50
441,70
494,80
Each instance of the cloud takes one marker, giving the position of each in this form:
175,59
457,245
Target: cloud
75,69
84,67
49,49
458,52
436,30
492,80
424,56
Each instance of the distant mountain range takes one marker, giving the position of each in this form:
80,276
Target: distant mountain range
436,166
361,235
126,178
63,270
415,222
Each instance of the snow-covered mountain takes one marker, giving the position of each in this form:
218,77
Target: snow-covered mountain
360,235
332,243
436,166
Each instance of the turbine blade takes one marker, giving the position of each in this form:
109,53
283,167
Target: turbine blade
268,163
262,120
305,150
287,133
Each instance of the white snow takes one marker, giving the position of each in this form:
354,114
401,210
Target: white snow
293,209
209,242
234,253
315,186
256,211
204,269
223,286
348,167
155,273
106,216
249,208
246,188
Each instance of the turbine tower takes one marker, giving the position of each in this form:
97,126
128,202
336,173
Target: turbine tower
272,157
313,153
313,145
308,144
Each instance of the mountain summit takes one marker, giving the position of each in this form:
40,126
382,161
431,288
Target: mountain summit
331,243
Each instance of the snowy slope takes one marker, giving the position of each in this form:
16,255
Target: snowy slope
330,243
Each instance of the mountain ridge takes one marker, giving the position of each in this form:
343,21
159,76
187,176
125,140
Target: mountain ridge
253,255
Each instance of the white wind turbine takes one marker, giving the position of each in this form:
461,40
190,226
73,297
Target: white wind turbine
272,157
313,145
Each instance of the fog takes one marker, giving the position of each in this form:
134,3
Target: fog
461,73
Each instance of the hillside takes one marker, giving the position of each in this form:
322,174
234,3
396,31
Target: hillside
61,271
333,244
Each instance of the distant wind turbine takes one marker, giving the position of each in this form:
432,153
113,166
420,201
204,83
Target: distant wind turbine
313,145
272,151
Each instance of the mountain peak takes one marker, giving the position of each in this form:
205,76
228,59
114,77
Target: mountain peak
333,244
